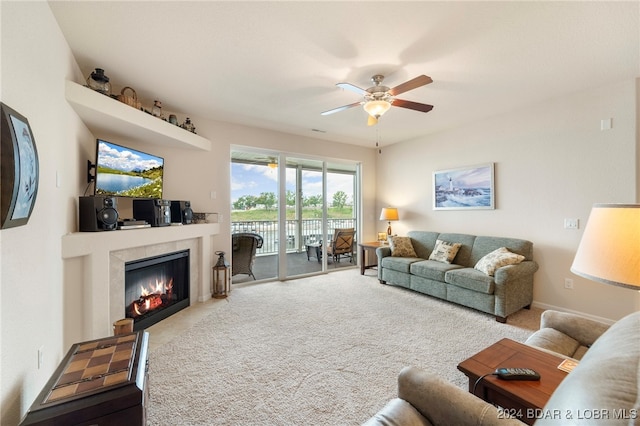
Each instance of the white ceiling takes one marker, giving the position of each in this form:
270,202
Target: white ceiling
274,64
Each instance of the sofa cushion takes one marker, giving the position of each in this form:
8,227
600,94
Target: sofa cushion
400,264
471,279
401,247
432,269
464,253
484,245
423,242
497,259
555,341
444,251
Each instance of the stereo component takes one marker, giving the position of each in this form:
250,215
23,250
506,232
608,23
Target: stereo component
98,213
156,212
181,212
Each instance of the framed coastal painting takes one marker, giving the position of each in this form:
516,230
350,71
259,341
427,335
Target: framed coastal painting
19,169
464,188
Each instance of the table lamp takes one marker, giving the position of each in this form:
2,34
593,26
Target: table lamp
609,251
389,214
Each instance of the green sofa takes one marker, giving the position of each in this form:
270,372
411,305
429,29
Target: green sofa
507,291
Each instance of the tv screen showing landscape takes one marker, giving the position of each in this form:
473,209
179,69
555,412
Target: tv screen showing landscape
126,172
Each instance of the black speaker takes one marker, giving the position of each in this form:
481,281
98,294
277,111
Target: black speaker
98,213
181,212
156,212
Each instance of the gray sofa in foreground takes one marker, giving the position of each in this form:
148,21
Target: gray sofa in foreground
508,290
604,389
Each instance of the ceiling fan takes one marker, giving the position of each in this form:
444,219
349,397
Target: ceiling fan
378,99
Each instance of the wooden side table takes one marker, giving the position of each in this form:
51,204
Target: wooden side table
520,399
371,248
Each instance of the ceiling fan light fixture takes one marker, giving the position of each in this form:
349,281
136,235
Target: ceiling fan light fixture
377,108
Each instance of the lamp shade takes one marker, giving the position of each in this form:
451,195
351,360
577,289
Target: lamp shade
609,251
389,213
376,108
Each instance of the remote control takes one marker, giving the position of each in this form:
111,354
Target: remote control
517,374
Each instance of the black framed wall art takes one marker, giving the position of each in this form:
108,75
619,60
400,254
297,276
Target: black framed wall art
19,169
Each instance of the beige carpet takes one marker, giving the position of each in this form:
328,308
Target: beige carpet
317,351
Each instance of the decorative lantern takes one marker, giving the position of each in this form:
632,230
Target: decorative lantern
221,280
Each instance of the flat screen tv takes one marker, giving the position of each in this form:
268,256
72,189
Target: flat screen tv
126,172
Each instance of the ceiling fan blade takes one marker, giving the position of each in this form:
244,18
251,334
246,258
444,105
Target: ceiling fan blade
351,87
342,108
372,121
412,105
410,85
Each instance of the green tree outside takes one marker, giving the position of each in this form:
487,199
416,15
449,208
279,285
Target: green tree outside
340,199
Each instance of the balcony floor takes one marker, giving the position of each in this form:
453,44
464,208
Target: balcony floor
266,266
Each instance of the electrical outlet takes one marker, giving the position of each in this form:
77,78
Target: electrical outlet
568,283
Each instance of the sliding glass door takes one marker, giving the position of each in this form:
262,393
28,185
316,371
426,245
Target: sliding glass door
294,204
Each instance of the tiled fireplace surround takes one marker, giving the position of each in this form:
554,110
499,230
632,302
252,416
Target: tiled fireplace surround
98,260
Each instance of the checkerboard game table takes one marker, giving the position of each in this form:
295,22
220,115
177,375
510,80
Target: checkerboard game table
102,381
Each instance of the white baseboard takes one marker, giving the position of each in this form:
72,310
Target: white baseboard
561,309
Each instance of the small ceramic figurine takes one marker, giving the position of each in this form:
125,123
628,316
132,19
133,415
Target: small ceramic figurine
156,111
188,125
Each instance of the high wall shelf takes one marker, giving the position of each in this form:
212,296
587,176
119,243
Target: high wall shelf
104,115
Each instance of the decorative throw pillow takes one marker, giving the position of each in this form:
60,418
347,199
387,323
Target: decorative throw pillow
444,251
401,247
497,259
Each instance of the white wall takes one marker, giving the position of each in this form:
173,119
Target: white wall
552,162
36,61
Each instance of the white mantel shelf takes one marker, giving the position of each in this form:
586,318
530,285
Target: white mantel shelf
78,244
104,115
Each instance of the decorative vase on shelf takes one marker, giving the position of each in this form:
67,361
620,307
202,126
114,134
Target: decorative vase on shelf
156,111
99,82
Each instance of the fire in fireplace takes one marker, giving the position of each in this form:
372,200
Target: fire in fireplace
156,287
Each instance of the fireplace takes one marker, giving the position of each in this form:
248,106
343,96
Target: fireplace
156,288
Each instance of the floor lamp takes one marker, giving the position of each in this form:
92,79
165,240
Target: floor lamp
609,251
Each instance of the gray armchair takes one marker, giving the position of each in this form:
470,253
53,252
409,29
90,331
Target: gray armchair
243,252
424,399
566,334
605,381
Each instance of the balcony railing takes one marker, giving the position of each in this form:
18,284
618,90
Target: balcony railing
299,233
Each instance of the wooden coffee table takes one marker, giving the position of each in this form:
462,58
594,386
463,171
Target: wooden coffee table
520,399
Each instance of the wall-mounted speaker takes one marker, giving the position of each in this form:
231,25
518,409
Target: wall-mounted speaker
98,213
181,212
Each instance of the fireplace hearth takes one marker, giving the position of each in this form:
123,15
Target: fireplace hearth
156,288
